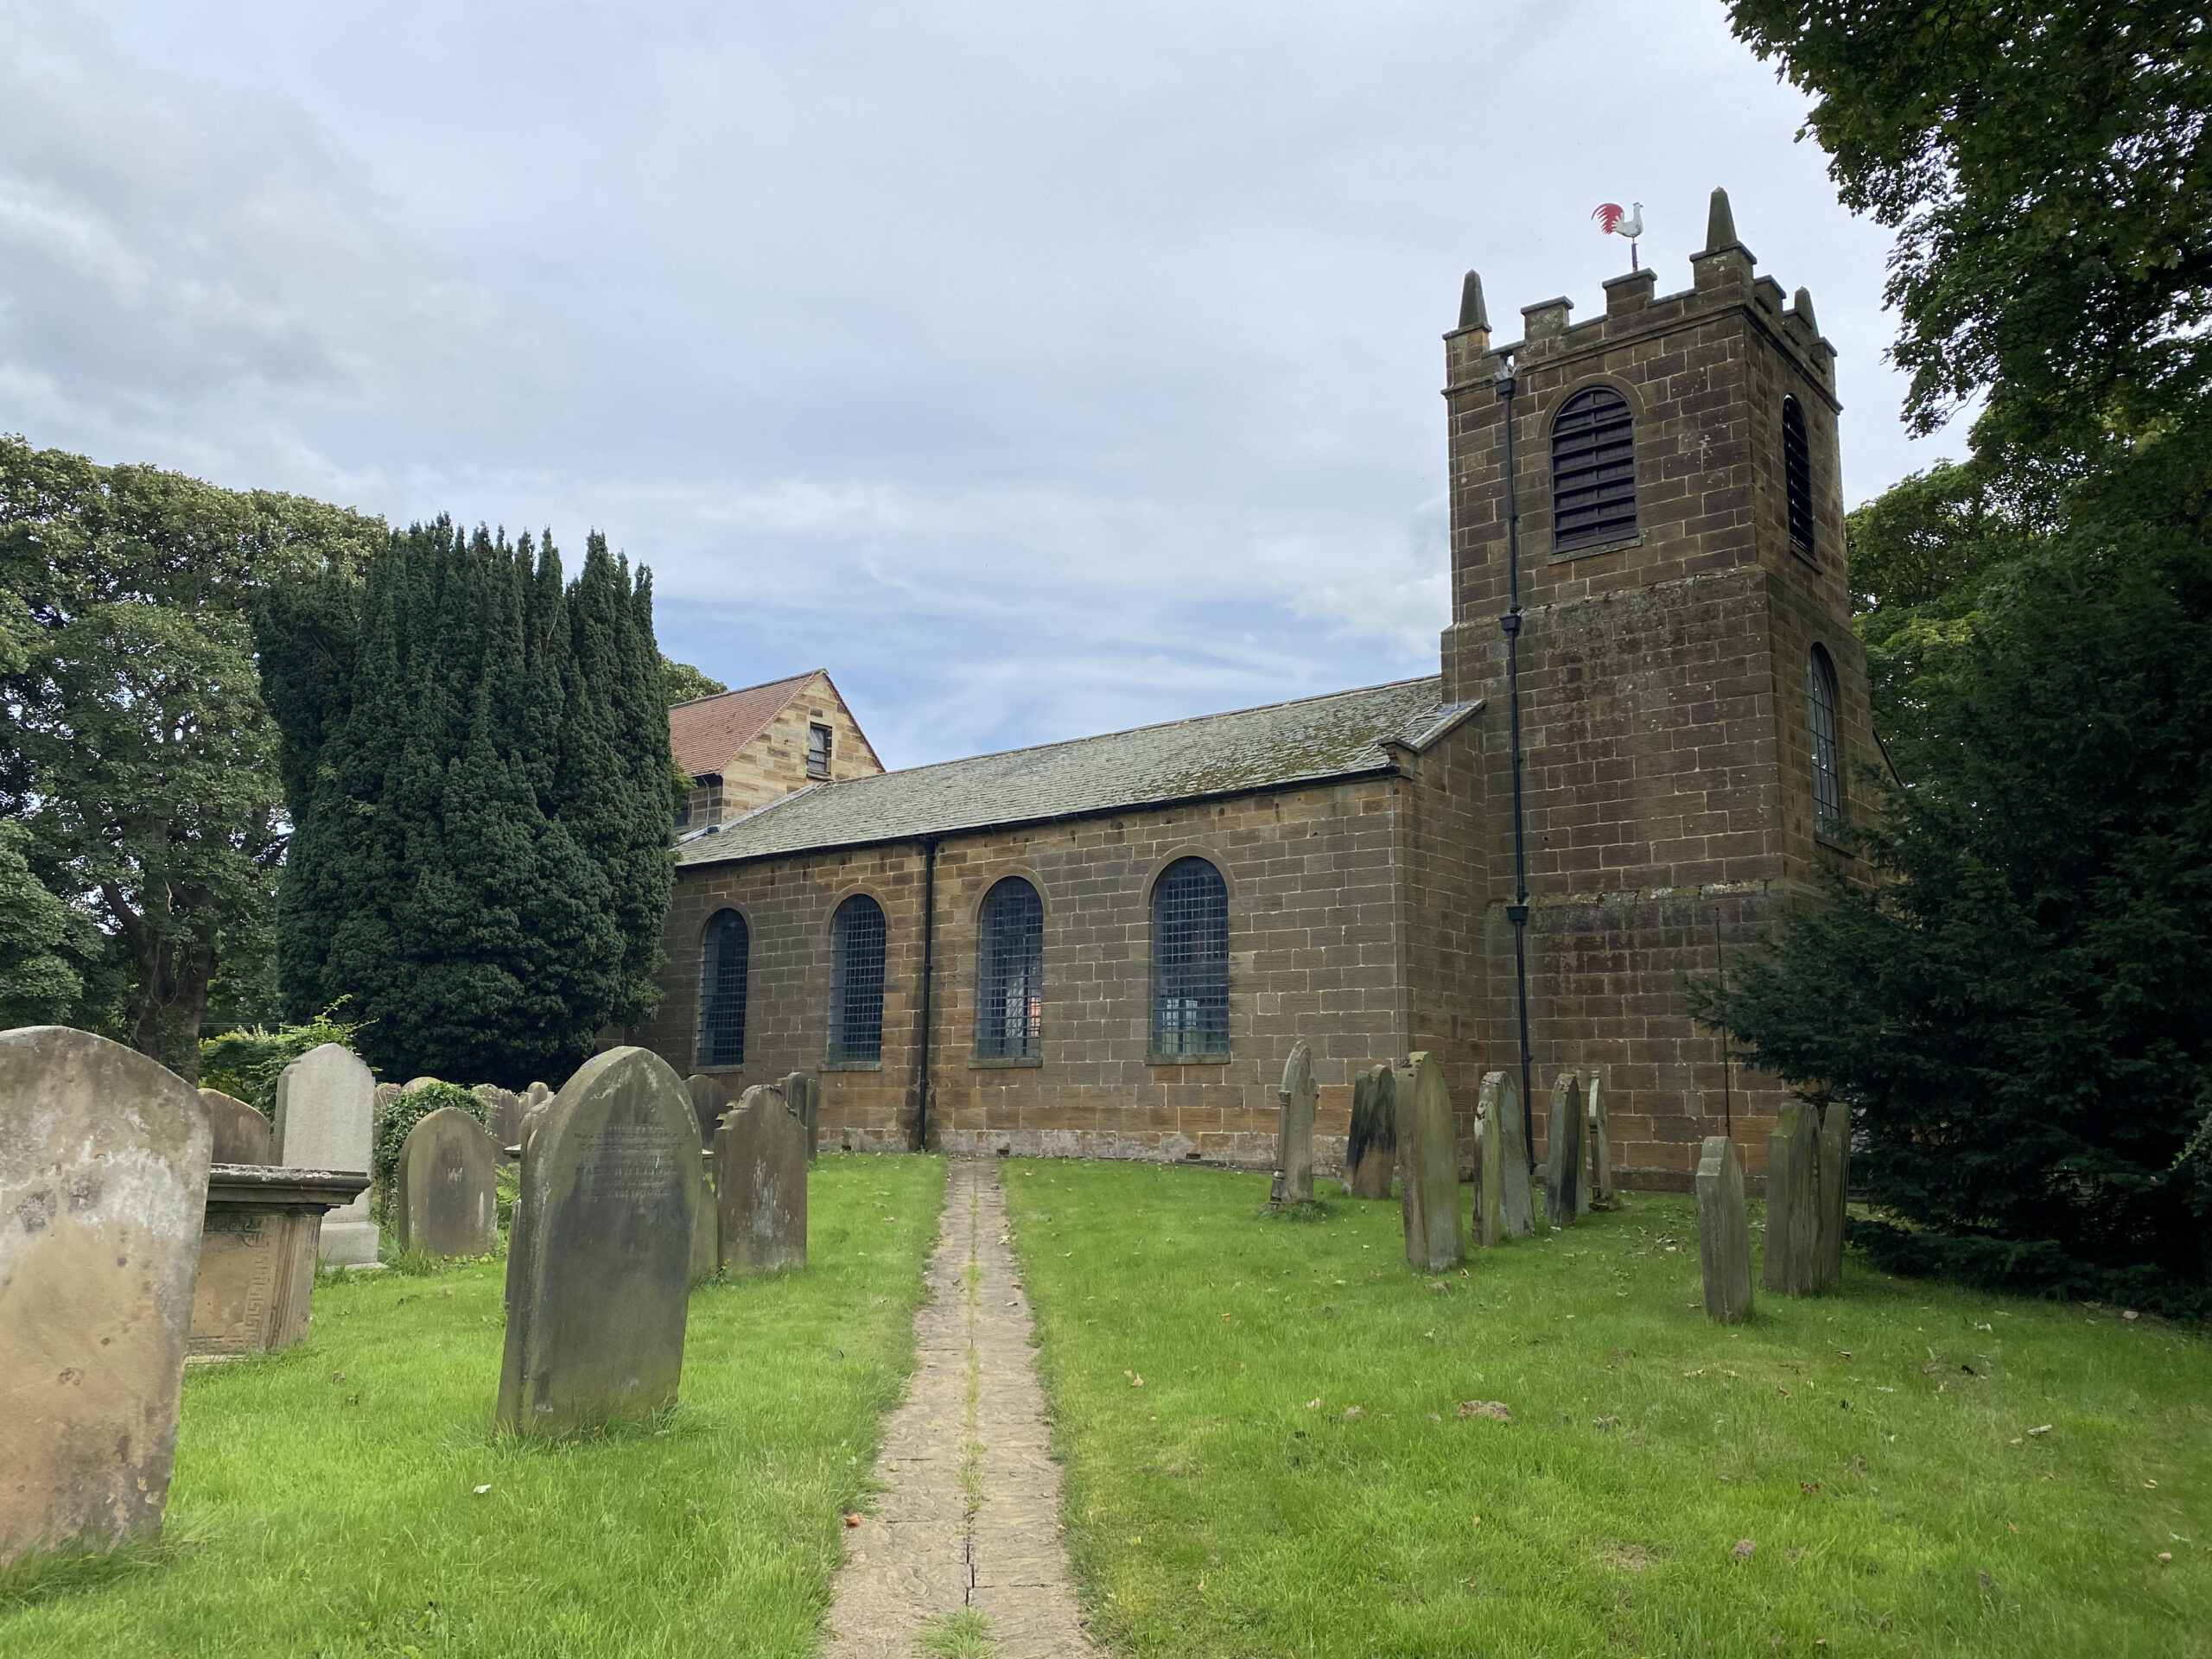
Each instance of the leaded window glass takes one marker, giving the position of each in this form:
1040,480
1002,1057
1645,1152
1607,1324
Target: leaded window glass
856,982
1593,470
1827,774
1010,973
722,990
1797,476
1190,960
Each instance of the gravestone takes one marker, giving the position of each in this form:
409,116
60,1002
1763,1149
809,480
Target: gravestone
241,1133
803,1094
598,1262
413,1083
326,1113
1835,1170
537,1094
386,1093
1490,1172
1563,1164
502,1112
761,1180
1372,1151
255,1291
1430,1202
1599,1194
706,1225
1516,1201
1723,1232
530,1120
1296,1100
103,1161
710,1100
1793,1223
448,1202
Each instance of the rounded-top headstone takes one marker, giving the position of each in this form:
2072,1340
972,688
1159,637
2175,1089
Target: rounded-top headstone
104,1157
325,1119
448,1200
241,1133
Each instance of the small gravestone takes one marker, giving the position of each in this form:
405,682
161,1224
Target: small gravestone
1563,1167
710,1100
803,1094
503,1110
1724,1235
1296,1100
326,1113
413,1083
1516,1201
530,1120
1793,1221
448,1202
1600,1192
1430,1202
706,1226
599,1264
386,1093
103,1162
760,1179
241,1133
1371,1152
1490,1162
537,1094
1835,1172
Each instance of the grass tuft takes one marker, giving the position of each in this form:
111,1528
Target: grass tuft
965,1635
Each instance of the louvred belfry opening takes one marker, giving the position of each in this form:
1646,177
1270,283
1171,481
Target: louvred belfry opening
1593,470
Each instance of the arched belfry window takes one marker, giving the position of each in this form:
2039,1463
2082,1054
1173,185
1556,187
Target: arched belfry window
1010,973
856,982
1190,960
722,990
1593,470
1828,772
1797,476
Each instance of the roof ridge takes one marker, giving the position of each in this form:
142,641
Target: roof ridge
741,691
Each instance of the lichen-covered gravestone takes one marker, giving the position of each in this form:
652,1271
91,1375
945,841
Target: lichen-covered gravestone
599,1260
1371,1152
1294,1182
803,1094
1835,1172
1793,1221
1600,1192
1430,1202
1563,1166
241,1133
448,1202
104,1160
760,1179
710,1100
1509,1144
1723,1232
326,1116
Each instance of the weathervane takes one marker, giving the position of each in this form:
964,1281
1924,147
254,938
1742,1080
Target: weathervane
1611,221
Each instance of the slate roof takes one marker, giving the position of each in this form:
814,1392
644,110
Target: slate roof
709,733
1340,736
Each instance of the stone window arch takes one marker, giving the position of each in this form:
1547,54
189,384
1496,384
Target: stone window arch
1010,972
1828,756
856,938
1797,476
1593,470
1190,960
724,965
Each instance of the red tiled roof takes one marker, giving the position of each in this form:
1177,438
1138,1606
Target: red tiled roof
709,733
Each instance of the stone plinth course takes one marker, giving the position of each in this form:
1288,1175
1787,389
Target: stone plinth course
103,1161
1563,1162
1793,1221
1599,1193
1723,1232
325,1119
1430,1202
241,1133
1296,1099
1371,1151
448,1201
760,1179
600,1253
1517,1201
256,1287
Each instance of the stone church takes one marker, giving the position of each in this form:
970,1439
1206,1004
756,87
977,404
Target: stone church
1106,948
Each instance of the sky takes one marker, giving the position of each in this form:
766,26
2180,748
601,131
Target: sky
1038,368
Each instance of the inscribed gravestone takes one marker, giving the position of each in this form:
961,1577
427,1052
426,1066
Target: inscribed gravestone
1599,1194
1296,1100
448,1200
599,1261
1430,1204
1516,1202
326,1109
803,1094
1372,1149
710,1100
1723,1235
1563,1166
104,1161
760,1176
1834,1169
241,1134
1793,1202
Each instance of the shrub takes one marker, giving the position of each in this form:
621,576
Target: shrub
245,1063
397,1116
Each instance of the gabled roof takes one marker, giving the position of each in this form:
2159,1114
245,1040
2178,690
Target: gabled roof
1309,740
707,733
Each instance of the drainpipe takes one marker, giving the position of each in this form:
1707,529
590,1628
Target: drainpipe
928,981
1517,912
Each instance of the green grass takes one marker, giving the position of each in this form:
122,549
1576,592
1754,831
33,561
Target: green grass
1210,1511
325,1499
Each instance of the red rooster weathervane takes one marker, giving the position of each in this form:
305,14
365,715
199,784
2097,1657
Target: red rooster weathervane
1613,222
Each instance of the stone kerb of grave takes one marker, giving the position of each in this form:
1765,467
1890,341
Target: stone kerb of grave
448,1201
1724,1235
325,1119
103,1161
1430,1201
241,1133
1293,1181
761,1180
803,1094
1507,1141
1793,1223
599,1256
1599,1194
1371,1149
255,1288
1563,1164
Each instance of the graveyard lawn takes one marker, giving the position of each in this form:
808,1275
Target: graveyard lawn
1263,1425
351,1497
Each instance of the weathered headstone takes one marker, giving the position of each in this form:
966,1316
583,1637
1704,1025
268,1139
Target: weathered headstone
803,1094
326,1115
386,1093
1430,1202
502,1112
255,1291
1793,1221
710,1100
1835,1172
1724,1234
413,1083
537,1094
1600,1192
448,1201
1371,1152
104,1161
706,1225
530,1120
241,1133
760,1179
599,1261
1516,1201
1490,1172
1563,1164
1296,1100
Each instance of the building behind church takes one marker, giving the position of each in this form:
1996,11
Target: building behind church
1106,947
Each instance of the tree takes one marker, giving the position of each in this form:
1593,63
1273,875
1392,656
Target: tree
684,683
43,943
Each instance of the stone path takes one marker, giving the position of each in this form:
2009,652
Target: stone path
970,1520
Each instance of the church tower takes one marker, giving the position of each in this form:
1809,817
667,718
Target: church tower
1692,701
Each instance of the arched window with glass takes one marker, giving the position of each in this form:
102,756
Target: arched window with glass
856,982
1010,973
1190,961
1593,470
1797,476
1828,770
722,969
